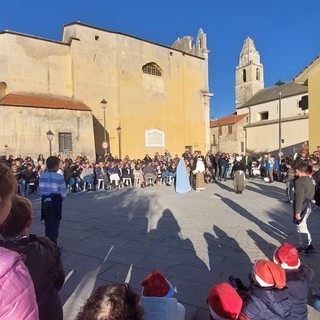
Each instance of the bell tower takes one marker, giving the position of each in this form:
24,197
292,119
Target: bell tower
249,73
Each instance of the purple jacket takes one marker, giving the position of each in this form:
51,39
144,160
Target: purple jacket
17,296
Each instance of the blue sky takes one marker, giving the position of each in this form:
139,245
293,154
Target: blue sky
286,33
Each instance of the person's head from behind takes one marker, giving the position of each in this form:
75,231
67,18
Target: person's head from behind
19,218
112,302
53,163
301,166
8,188
224,301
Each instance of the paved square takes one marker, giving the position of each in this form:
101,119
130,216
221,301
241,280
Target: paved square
196,239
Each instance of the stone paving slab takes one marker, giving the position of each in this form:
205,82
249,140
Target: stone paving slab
196,239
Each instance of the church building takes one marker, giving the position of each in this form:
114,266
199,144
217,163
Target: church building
266,119
103,91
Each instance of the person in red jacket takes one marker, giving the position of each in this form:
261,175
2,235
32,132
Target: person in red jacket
17,295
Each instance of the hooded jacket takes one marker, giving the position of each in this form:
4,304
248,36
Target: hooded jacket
267,304
298,284
18,300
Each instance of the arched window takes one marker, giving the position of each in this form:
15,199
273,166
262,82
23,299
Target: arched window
244,75
257,74
152,68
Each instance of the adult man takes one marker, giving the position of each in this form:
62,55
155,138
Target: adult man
102,173
149,173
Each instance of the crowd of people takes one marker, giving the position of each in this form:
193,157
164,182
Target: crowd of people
31,269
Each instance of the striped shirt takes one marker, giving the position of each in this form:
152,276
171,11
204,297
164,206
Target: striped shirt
52,183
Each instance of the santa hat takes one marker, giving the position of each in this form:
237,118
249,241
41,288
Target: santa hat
156,285
224,301
287,257
268,274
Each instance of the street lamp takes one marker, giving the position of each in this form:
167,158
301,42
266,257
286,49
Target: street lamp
280,84
119,139
104,106
50,136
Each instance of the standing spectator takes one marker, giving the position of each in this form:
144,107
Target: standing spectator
43,258
53,189
247,161
238,171
304,194
199,173
18,300
223,167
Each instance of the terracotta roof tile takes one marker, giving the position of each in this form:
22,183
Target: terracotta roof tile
50,102
229,119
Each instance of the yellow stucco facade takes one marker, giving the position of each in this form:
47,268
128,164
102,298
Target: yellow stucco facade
310,76
152,112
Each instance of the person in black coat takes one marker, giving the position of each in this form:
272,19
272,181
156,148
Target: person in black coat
298,277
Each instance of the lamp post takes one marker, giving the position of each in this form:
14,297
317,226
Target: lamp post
280,84
104,106
119,139
50,136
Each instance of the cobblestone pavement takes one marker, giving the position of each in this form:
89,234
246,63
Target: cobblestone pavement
196,239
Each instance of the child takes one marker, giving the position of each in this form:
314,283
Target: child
157,299
268,297
224,302
53,189
298,278
18,300
290,182
43,258
115,302
304,194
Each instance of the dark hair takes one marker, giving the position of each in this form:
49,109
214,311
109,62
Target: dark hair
20,214
7,181
52,161
301,165
112,302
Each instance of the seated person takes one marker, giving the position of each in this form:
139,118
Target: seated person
114,174
18,173
224,302
172,168
208,177
138,174
43,258
87,175
114,301
157,299
149,173
126,172
298,277
268,297
102,173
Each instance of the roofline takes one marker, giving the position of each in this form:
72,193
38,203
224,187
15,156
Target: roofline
304,72
36,37
275,121
130,36
241,116
282,97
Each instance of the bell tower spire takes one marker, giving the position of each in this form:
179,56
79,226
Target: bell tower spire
249,73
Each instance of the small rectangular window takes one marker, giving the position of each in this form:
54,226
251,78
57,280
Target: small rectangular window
230,129
264,115
65,142
220,131
242,146
214,142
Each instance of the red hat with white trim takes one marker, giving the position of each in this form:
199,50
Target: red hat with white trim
287,257
224,301
268,274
